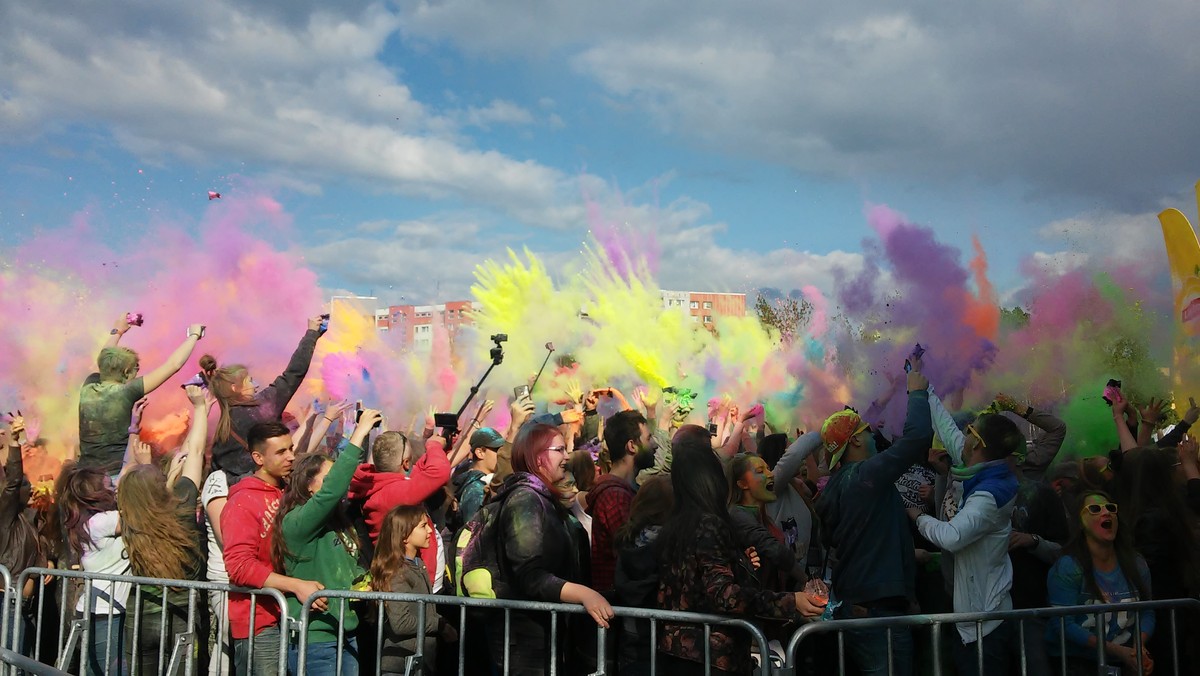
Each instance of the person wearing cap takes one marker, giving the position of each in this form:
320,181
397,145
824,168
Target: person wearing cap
875,571
470,483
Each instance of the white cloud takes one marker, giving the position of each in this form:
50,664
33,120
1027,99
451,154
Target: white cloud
497,112
1058,98
296,89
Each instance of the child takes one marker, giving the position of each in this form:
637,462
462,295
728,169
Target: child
398,568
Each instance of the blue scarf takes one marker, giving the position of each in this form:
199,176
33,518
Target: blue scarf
994,477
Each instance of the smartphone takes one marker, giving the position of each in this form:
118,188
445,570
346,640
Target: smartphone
324,322
1111,391
712,428
446,421
358,411
133,318
202,328
907,366
521,391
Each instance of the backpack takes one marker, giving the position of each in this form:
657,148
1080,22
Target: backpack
476,555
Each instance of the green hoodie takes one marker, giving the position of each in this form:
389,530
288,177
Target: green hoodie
319,553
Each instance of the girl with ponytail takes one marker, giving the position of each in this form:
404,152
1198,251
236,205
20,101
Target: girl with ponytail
243,405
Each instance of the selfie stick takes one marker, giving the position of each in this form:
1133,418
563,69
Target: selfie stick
549,351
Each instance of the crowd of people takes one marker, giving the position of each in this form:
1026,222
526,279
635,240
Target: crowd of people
959,511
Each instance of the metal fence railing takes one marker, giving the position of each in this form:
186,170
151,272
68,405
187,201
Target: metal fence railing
1099,612
174,646
157,624
462,606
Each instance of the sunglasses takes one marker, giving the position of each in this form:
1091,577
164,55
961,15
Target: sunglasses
975,433
1109,507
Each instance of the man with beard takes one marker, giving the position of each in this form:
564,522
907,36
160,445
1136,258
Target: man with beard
628,440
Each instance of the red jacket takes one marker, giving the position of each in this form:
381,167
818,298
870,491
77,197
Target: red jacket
246,524
383,491
608,503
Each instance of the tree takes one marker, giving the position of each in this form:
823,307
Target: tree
788,316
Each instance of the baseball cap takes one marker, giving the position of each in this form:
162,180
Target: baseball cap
486,437
836,433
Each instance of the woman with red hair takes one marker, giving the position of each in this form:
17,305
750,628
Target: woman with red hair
543,552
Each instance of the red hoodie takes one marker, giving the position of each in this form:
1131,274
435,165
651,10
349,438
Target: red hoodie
384,491
246,525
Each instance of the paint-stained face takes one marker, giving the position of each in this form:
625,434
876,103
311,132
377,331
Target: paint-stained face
1099,518
758,482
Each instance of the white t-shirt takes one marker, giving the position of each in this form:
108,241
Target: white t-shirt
584,518
105,553
215,486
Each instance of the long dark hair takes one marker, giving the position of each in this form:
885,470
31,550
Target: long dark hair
1146,486
736,470
652,506
152,525
389,553
296,494
701,492
83,492
1077,549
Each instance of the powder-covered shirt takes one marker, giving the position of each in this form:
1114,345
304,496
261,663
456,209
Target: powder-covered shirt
104,412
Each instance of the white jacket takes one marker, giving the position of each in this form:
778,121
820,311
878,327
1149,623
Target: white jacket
977,536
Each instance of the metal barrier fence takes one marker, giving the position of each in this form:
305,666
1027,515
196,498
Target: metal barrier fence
75,627
554,610
892,624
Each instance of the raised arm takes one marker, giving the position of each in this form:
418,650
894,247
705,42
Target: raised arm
197,434
178,358
288,382
119,329
795,456
303,523
1124,435
947,431
885,468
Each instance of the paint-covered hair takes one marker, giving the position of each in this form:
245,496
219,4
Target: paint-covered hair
117,363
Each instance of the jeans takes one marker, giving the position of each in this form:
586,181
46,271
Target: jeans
106,638
997,647
868,648
321,658
150,646
266,654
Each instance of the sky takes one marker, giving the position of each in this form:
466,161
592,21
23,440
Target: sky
410,141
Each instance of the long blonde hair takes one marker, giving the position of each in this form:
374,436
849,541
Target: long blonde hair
223,383
158,542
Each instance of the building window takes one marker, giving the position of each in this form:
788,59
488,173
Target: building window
695,319
708,305
708,319
695,305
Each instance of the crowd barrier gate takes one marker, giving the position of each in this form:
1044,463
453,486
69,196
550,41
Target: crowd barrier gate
74,632
936,622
